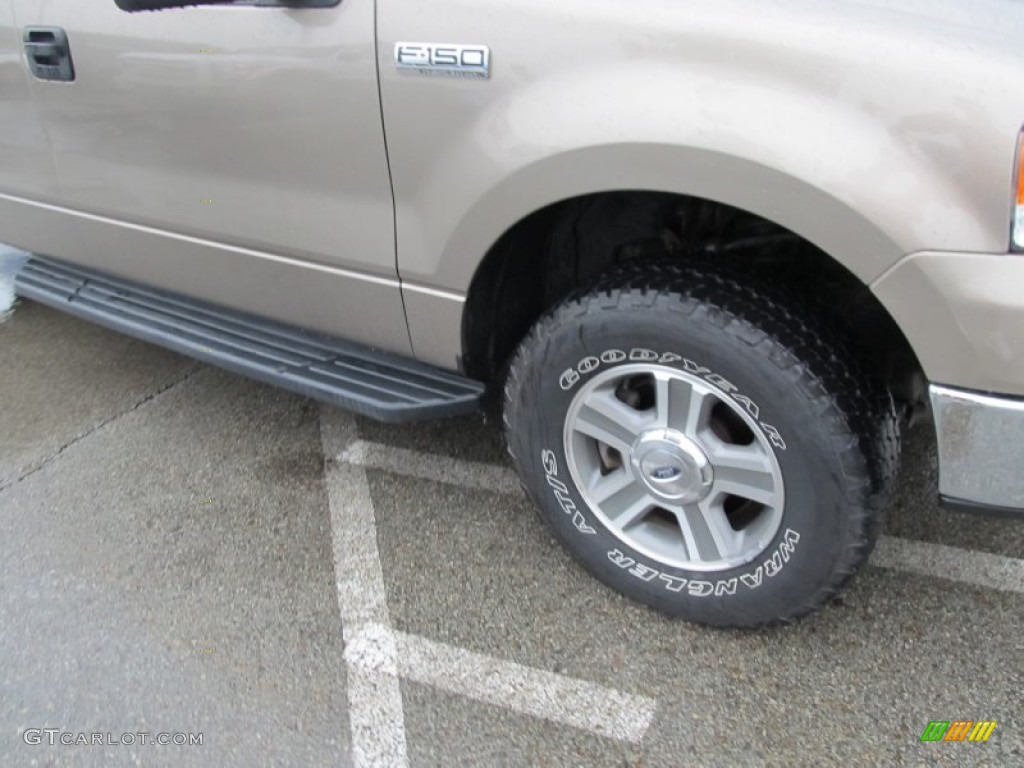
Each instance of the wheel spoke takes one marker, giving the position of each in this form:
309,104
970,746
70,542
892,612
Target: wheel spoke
664,401
608,405
713,537
744,471
687,518
606,486
628,505
680,404
726,539
604,417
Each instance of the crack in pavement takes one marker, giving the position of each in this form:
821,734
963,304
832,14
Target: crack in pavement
97,427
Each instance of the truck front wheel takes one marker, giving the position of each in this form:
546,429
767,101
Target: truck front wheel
700,445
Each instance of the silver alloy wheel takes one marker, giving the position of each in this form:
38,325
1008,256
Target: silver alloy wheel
673,467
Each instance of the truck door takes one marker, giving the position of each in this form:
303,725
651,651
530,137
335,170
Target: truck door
26,166
233,152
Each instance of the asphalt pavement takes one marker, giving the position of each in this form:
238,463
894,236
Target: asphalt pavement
191,554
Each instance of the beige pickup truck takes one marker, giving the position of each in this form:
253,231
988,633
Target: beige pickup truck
707,256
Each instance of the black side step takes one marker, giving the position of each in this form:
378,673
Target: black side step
375,384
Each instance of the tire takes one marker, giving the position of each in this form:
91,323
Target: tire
701,445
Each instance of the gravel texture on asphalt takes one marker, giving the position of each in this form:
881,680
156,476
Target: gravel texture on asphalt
166,551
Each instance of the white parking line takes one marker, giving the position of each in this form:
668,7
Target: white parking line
429,466
376,655
11,260
979,569
535,692
376,716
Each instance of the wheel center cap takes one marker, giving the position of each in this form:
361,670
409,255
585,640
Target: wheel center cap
672,466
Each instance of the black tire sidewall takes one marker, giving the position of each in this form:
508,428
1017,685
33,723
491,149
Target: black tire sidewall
759,378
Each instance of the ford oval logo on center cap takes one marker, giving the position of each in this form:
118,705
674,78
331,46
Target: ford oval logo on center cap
665,473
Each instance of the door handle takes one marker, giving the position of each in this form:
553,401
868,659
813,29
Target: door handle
40,51
48,53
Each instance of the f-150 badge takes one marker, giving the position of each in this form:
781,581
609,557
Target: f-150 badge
444,59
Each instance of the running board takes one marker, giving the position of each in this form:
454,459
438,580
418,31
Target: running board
376,384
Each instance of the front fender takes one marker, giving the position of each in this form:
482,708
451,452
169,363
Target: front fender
849,139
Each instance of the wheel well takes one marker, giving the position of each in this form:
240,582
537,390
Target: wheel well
558,249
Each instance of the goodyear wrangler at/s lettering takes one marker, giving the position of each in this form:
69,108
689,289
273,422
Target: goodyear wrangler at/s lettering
697,447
